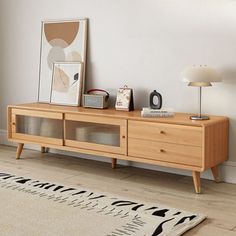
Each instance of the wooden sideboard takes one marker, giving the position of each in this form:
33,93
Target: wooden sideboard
172,142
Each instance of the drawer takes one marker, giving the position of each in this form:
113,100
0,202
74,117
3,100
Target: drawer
179,134
175,153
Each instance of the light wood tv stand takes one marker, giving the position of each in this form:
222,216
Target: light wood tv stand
172,142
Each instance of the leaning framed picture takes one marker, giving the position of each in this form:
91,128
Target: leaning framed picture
67,83
62,40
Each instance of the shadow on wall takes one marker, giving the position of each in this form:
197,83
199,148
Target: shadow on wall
229,75
140,98
89,65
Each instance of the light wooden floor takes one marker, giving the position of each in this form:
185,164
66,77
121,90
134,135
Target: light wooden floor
218,201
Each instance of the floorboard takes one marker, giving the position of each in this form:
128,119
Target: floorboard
218,200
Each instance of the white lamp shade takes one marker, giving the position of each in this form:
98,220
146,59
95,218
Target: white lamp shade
200,76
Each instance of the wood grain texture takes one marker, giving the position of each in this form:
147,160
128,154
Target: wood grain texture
112,155
9,123
96,147
179,118
44,149
99,120
113,163
37,139
122,123
50,115
170,152
19,150
197,181
215,144
215,173
173,142
217,202
179,134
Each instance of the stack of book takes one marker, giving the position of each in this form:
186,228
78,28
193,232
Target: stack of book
165,112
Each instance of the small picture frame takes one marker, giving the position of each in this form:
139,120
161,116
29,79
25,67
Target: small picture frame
124,99
67,83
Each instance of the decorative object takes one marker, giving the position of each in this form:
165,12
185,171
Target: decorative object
123,216
124,99
96,98
60,41
174,142
200,76
149,112
155,100
66,83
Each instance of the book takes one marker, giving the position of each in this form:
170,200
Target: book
165,112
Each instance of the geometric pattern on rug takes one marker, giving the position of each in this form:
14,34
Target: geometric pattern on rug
143,219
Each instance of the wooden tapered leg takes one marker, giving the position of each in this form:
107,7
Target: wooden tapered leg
44,149
215,173
19,150
197,181
113,164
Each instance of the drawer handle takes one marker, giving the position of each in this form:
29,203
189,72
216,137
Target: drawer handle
162,150
123,136
13,123
162,132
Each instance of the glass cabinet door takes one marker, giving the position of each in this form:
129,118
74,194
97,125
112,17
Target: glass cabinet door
97,133
37,126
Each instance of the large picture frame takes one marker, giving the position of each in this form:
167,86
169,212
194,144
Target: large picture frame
60,41
66,88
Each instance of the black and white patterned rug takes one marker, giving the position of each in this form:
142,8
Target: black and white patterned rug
122,216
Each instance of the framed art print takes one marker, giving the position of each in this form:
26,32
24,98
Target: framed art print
66,88
63,41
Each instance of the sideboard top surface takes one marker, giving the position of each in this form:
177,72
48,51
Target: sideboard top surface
179,118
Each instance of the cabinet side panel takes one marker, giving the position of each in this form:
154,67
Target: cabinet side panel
216,143
9,122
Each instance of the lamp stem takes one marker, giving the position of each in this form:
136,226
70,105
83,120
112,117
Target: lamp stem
200,116
200,102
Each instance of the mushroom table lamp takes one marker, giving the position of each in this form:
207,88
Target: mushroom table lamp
200,76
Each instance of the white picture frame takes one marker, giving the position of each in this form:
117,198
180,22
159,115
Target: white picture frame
67,83
61,40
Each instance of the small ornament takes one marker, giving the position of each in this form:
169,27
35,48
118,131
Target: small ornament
155,100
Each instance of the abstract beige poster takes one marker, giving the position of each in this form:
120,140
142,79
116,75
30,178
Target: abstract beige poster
63,41
66,83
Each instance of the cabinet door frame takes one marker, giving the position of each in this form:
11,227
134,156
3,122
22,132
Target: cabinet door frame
14,112
122,149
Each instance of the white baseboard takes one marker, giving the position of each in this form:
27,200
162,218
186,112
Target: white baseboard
228,169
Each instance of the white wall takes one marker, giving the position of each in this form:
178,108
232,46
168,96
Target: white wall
142,43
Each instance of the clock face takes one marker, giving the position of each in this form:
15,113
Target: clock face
61,81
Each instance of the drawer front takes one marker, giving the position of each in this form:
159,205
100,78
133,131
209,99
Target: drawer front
42,114
179,134
168,152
